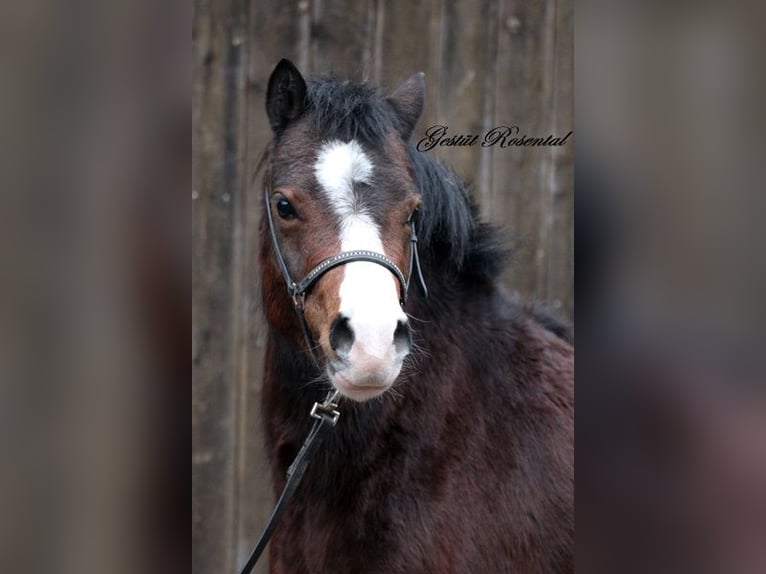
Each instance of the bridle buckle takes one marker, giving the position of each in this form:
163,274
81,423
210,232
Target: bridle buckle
299,300
328,408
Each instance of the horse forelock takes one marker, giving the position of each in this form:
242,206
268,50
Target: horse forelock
348,111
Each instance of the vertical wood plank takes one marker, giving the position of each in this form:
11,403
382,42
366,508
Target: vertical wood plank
407,46
274,32
483,191
559,288
516,173
465,63
545,160
342,34
216,178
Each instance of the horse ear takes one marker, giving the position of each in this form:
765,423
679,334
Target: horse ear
285,96
407,101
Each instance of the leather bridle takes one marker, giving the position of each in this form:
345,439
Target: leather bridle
326,412
297,290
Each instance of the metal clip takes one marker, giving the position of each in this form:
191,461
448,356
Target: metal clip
299,300
328,407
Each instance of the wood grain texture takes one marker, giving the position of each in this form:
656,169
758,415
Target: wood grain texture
487,63
216,179
521,71
272,34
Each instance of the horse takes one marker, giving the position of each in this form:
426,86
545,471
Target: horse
454,448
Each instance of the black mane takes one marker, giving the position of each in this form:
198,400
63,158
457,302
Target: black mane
452,237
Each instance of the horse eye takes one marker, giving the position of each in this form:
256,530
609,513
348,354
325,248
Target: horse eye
285,209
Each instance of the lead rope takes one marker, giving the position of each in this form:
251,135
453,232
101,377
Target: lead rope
327,415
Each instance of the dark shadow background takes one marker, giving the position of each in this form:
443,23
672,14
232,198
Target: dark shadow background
671,395
95,161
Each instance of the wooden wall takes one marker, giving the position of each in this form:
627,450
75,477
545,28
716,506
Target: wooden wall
487,63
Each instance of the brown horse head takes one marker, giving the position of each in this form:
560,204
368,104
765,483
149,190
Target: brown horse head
339,180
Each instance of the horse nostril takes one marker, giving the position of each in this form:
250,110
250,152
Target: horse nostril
402,338
341,335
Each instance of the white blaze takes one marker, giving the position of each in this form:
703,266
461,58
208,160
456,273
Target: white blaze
368,291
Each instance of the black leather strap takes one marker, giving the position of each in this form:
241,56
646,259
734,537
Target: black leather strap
298,301
277,251
348,256
415,260
326,416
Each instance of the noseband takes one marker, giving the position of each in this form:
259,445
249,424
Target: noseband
297,290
